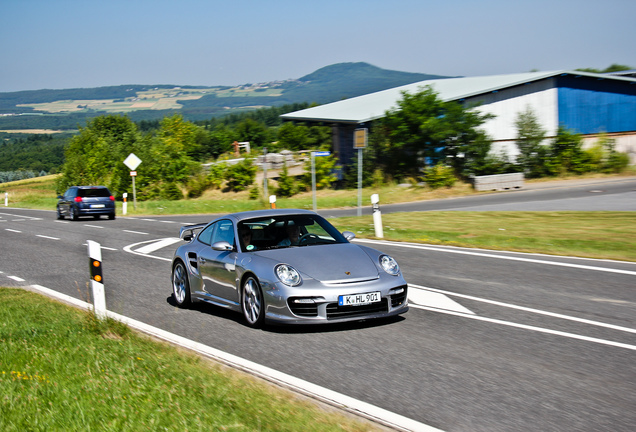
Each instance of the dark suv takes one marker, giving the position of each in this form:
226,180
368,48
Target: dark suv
86,201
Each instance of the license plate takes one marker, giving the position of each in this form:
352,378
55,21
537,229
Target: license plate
359,299
97,206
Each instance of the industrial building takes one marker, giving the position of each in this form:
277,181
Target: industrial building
586,103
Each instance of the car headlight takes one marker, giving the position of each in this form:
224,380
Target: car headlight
287,275
389,265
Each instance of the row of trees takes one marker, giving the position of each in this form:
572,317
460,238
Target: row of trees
422,139
172,155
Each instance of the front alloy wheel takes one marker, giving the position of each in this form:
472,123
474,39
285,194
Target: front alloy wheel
180,285
252,303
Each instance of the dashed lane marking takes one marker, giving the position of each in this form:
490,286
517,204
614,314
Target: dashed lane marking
136,232
46,237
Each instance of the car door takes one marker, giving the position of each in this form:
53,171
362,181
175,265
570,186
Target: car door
218,268
67,200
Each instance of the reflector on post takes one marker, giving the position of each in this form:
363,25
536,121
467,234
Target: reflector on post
97,278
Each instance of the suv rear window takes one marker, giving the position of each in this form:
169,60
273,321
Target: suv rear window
94,193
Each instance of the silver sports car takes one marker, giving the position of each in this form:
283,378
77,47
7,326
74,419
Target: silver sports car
286,267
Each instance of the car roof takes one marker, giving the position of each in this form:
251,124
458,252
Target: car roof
267,213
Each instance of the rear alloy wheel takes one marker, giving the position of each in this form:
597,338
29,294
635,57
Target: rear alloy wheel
180,285
252,303
73,213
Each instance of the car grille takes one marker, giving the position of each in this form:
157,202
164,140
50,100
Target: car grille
399,299
303,309
336,312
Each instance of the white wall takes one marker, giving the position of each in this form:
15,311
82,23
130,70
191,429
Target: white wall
506,105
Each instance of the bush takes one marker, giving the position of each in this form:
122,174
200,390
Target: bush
286,184
439,176
241,175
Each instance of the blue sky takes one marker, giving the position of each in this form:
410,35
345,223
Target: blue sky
58,44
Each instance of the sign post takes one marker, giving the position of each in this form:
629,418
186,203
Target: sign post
360,143
265,191
314,155
133,162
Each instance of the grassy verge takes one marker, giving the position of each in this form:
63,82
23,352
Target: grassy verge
604,235
61,369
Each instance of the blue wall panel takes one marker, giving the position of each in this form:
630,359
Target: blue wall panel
590,106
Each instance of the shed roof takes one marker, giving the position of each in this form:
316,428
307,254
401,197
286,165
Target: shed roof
374,105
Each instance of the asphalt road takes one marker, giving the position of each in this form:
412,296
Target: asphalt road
494,341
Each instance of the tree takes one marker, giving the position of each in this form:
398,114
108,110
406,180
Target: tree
567,153
424,130
530,136
324,171
286,185
240,176
293,137
96,154
256,133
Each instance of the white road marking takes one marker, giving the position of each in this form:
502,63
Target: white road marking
130,247
537,329
503,257
136,232
12,230
158,245
525,309
425,297
46,237
93,226
15,278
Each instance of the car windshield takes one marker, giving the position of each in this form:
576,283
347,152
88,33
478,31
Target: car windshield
94,193
287,231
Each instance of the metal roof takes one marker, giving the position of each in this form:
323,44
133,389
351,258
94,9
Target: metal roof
374,105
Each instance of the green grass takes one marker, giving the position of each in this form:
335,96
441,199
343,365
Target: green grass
63,370
603,235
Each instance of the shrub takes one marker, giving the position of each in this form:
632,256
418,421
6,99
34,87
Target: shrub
439,176
241,175
286,184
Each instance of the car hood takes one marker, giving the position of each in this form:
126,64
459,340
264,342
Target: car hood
337,263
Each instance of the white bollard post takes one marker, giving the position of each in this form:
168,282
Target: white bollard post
272,201
377,216
124,206
6,199
97,279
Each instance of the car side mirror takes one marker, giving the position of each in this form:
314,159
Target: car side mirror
222,246
348,235
60,197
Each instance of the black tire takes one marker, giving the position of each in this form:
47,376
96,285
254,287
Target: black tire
60,216
252,303
181,285
73,213
111,216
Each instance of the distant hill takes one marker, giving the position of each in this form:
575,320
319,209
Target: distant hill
66,109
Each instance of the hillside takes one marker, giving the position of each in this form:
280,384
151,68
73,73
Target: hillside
66,109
